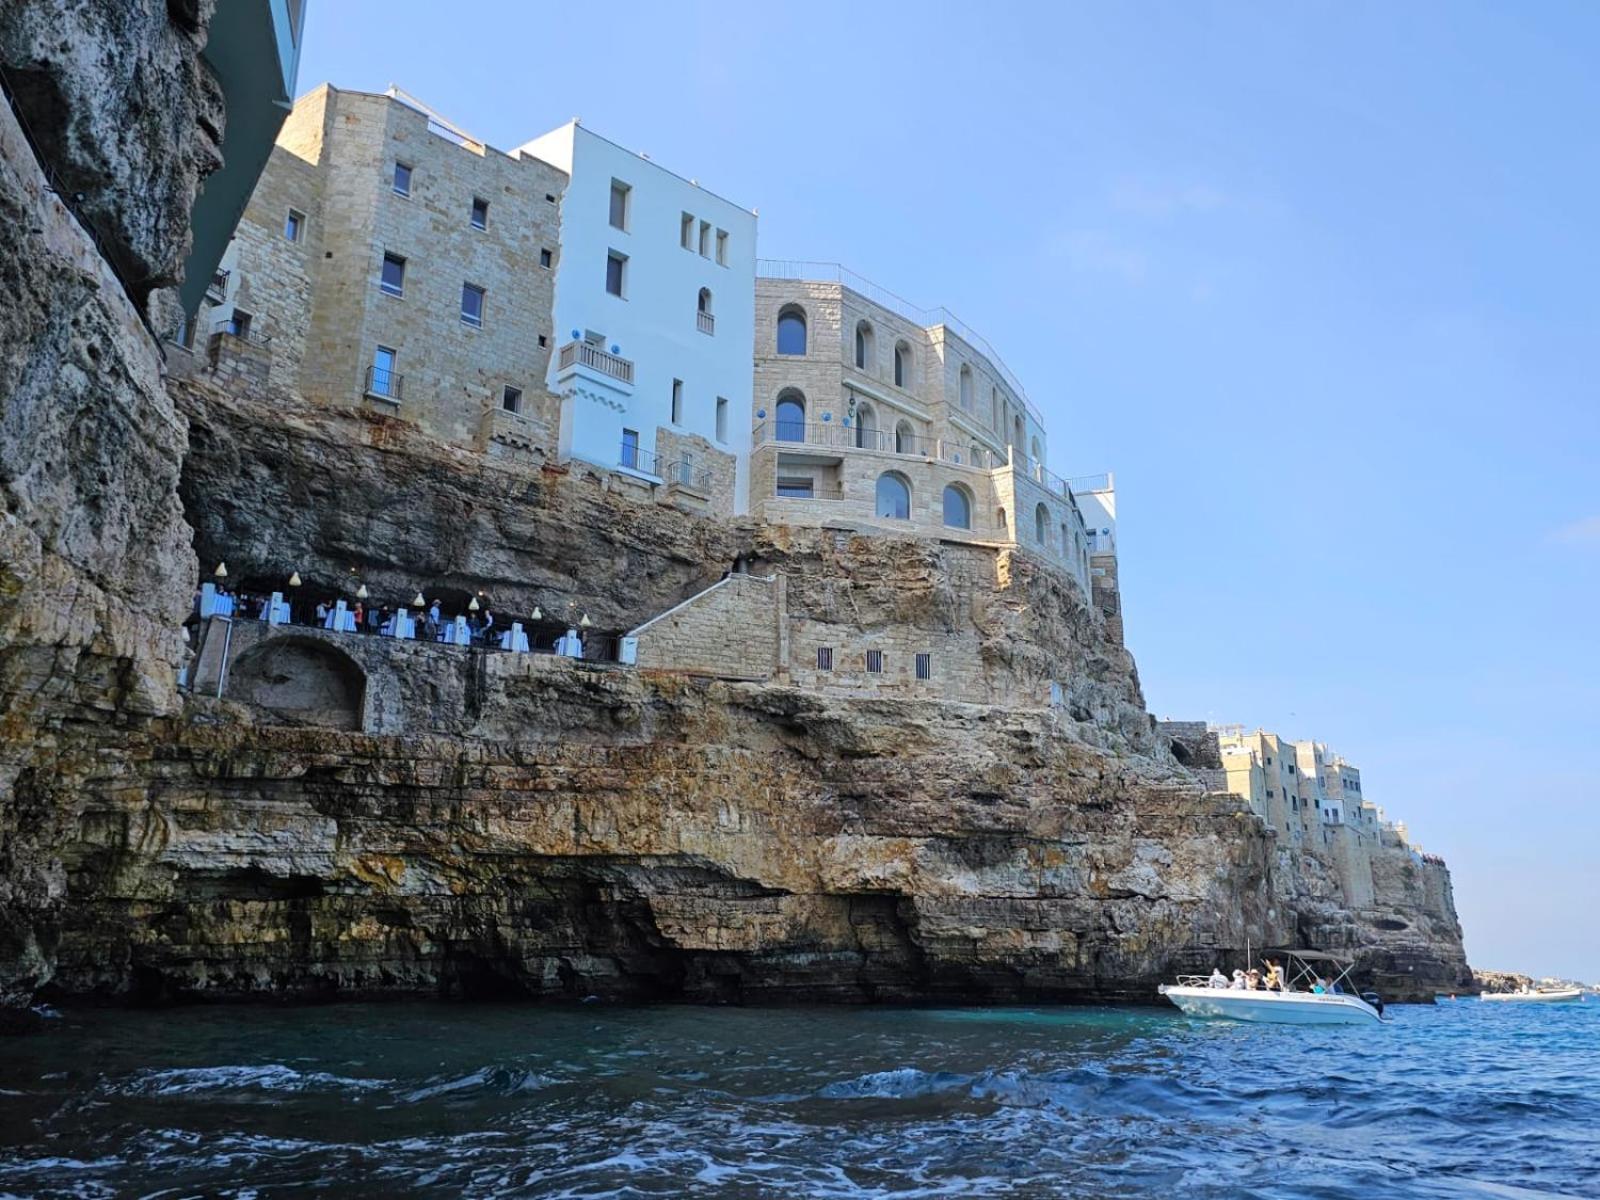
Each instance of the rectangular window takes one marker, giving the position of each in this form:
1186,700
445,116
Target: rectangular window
402,179
381,377
393,279
677,402
722,247
545,259
185,335
238,323
686,231
722,419
824,658
294,225
619,204
798,488
480,213
924,666
511,399
616,273
705,239
472,298
630,449
543,341
875,662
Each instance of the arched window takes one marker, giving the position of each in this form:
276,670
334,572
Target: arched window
965,378
865,357
894,496
1038,454
792,330
902,364
997,418
977,455
905,438
791,416
1041,525
1018,436
1000,522
704,303
957,507
866,427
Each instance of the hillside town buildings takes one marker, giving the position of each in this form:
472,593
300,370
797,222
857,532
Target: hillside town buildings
574,302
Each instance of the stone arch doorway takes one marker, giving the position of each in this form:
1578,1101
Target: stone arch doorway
300,681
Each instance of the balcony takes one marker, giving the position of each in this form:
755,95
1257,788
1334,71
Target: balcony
385,385
802,434
594,358
217,289
705,322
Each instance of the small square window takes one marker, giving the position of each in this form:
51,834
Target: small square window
722,247
480,213
511,399
402,179
238,324
875,662
549,198
472,298
824,658
616,273
545,259
294,225
393,278
619,204
924,666
543,341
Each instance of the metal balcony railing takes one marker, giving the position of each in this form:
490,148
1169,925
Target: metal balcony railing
685,473
589,355
243,331
705,322
634,458
819,491
217,289
385,383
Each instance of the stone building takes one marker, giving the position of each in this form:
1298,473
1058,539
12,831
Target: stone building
870,413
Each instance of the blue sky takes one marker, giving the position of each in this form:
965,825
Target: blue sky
1319,282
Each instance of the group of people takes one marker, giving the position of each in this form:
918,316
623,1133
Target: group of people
1270,980
378,618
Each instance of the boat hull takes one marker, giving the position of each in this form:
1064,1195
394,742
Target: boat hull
1279,1008
1563,996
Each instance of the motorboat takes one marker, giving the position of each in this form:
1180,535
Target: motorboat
1296,1004
1537,995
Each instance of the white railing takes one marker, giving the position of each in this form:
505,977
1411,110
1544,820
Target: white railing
705,322
589,355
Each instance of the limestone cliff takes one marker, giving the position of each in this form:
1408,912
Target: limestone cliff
522,825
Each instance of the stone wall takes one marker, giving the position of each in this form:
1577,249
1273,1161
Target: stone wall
735,629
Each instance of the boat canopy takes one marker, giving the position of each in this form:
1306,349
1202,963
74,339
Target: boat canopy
1315,956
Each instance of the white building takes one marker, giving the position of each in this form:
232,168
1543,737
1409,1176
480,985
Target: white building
654,313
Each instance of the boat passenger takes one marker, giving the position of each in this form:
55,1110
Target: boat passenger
1319,987
1274,976
1252,981
1238,983
1218,979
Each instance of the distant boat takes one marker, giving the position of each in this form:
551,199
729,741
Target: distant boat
1197,998
1537,995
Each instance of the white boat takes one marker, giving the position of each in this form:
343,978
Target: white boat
1539,996
1197,998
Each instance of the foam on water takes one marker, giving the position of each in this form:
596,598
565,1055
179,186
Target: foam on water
1460,1101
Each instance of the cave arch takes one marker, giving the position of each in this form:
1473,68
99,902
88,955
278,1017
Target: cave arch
299,680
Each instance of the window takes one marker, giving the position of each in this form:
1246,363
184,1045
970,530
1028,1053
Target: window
294,225
867,428
185,335
791,330
875,662
905,440
1037,451
402,179
381,377
894,496
619,204
630,449
797,488
722,247
480,213
704,320
677,402
703,300
705,239
957,507
864,349
925,666
237,323
545,259
616,273
824,658
511,399
1041,525
686,231
965,389
722,419
393,279
472,305
902,364
543,341
791,417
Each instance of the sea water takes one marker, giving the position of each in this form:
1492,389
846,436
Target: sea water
1459,1100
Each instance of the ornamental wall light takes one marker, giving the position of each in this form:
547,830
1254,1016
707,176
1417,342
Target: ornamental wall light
222,570
294,579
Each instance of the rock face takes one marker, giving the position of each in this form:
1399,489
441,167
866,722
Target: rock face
537,827
94,552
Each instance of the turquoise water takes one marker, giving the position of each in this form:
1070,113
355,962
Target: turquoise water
1462,1100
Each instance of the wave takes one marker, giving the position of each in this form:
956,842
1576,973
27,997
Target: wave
263,1077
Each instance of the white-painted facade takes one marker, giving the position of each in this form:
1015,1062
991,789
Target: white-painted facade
618,356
